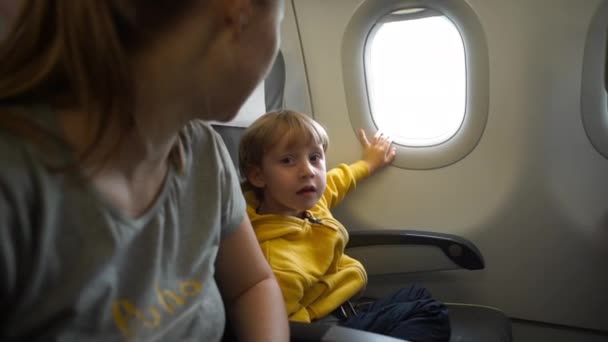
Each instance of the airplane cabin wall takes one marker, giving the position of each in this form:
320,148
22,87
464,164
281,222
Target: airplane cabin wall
532,195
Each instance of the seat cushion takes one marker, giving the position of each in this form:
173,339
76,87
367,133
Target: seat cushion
474,323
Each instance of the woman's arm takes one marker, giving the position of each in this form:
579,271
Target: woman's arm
253,298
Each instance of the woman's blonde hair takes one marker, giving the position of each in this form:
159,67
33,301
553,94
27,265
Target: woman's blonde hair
268,130
78,54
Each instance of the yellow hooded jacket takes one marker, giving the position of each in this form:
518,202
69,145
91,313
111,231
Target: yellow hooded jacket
307,255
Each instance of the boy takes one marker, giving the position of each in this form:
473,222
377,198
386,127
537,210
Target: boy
282,156
289,196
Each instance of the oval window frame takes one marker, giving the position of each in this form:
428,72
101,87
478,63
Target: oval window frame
594,83
363,23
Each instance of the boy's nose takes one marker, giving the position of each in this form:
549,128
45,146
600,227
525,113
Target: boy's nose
307,170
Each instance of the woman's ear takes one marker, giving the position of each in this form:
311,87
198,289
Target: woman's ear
255,177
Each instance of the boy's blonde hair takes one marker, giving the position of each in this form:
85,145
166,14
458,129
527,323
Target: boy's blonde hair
269,129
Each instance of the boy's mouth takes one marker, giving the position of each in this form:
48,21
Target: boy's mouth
306,190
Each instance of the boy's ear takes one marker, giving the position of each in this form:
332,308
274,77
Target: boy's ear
255,177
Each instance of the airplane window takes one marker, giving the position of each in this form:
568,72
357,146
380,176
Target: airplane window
416,77
594,89
420,72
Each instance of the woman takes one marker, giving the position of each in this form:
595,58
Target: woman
120,213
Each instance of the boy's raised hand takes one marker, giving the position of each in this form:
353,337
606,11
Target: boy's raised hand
378,153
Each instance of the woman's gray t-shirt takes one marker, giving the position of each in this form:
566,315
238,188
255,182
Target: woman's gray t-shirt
72,268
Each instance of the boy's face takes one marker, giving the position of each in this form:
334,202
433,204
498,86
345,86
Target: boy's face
292,177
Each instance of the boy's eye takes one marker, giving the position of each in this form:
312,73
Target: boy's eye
316,157
286,160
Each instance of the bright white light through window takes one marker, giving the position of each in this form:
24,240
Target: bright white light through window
417,80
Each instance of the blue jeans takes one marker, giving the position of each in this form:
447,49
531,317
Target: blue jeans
410,313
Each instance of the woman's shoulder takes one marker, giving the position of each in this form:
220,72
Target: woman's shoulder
29,124
199,132
21,180
28,147
14,154
202,144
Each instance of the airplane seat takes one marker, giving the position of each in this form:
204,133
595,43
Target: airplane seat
472,323
469,323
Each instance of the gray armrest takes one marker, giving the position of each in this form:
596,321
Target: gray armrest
458,249
321,332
